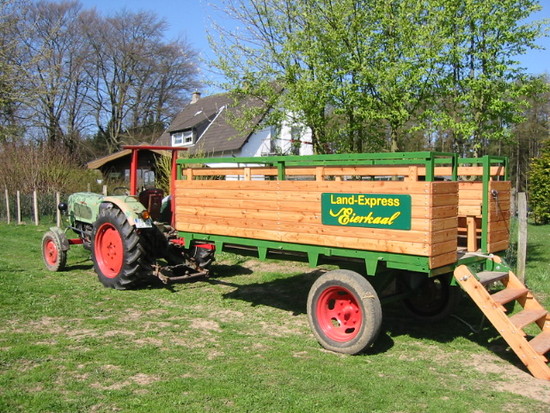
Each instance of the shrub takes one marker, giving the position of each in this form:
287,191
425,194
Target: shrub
539,186
27,167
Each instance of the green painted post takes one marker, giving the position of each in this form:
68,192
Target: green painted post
486,162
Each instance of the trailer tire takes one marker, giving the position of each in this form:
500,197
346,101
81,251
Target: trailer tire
53,254
344,312
435,300
118,251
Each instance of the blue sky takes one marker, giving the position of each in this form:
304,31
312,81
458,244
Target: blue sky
190,18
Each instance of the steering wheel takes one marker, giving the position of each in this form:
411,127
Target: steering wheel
121,190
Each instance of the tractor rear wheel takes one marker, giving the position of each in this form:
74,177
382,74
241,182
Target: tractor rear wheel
344,311
118,251
53,254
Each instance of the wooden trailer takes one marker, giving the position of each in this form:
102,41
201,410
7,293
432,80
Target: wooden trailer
414,223
344,206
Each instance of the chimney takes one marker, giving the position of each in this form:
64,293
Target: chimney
196,96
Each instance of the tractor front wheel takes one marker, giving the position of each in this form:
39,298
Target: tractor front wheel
118,251
53,254
344,311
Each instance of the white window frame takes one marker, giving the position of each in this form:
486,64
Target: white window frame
183,138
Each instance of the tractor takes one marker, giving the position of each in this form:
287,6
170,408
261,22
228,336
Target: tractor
128,241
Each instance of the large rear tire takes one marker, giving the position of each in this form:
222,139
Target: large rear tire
344,312
53,254
118,251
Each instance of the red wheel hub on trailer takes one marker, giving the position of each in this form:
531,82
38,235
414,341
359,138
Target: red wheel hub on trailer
50,252
109,250
338,314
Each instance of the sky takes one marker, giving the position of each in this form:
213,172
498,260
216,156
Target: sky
189,19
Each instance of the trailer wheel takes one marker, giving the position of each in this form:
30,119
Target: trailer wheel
53,254
120,259
344,312
434,300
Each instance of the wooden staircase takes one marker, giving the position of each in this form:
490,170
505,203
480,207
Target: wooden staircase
531,351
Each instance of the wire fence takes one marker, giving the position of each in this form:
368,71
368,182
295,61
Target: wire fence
36,207
19,208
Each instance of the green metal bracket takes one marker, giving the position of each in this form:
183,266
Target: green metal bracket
262,253
281,174
313,258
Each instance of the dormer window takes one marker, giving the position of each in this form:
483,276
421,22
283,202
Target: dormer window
185,138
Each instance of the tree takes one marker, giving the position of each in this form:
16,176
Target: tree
66,72
11,95
54,60
364,73
484,91
529,135
138,79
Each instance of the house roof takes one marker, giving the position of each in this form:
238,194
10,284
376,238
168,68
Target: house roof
211,117
98,163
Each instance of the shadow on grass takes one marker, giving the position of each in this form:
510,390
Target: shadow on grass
537,253
290,294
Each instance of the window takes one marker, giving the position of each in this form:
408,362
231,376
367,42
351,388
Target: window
184,138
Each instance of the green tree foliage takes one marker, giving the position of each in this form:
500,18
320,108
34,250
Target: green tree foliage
485,91
530,134
539,186
377,74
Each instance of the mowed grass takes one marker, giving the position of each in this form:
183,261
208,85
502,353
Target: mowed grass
237,342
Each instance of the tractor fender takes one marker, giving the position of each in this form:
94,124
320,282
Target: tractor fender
132,208
61,238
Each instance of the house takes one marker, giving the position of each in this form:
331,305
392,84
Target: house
205,126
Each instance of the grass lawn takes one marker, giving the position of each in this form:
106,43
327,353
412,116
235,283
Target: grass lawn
237,342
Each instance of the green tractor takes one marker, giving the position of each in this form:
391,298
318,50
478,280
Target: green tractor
130,244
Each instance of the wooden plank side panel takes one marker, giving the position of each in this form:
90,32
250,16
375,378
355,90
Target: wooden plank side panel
437,261
305,238
290,211
314,229
498,234
367,187
498,246
444,242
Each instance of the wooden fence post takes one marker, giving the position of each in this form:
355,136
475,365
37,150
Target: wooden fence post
7,204
57,211
105,190
18,197
35,203
522,235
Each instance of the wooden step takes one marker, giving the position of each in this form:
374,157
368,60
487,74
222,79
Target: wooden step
488,277
541,343
508,294
526,317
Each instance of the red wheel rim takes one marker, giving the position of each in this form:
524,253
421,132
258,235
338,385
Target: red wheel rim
109,250
338,314
50,252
